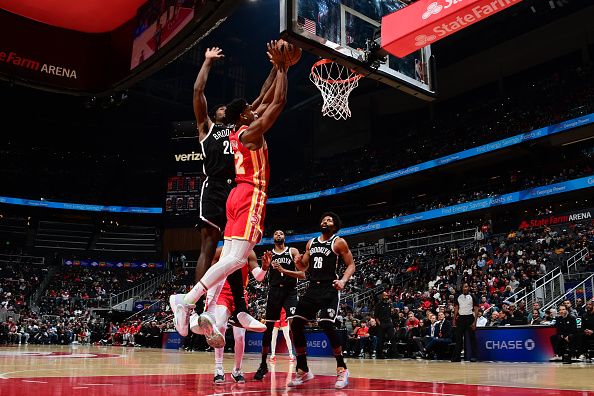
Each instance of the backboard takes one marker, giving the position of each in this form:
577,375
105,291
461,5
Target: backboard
340,29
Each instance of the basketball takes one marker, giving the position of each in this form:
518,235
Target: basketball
291,52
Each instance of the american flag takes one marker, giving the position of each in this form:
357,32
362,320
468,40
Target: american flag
307,24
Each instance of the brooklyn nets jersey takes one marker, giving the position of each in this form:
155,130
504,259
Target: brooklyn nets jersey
286,261
323,262
217,152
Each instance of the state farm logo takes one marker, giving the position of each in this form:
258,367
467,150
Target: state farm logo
423,39
435,8
432,9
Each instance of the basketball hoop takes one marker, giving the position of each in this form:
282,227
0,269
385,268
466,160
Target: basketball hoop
335,82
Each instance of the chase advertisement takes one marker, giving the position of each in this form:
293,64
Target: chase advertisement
526,344
317,343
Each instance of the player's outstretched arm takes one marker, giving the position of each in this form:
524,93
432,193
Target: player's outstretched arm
252,138
342,249
265,91
259,273
302,261
203,121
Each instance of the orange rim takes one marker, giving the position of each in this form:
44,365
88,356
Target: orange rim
321,62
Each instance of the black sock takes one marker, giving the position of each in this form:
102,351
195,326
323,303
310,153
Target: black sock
302,363
264,355
340,361
236,284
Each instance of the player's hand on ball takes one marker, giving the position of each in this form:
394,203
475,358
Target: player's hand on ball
266,259
214,53
339,284
275,55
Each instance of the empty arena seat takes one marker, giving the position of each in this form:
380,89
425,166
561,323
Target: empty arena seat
128,239
62,235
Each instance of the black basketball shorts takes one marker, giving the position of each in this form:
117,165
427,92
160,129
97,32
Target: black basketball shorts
279,298
320,297
213,200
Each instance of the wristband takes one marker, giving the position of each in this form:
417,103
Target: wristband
259,274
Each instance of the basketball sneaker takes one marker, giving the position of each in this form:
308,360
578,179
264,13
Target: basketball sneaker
262,371
181,313
301,377
248,322
219,377
195,324
237,376
214,338
342,378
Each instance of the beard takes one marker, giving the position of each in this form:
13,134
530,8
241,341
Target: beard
325,230
279,241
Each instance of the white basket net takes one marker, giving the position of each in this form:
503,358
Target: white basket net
335,82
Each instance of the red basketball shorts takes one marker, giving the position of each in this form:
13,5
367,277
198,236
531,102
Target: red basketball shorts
246,209
226,298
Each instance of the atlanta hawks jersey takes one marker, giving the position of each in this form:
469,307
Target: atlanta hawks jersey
323,262
251,167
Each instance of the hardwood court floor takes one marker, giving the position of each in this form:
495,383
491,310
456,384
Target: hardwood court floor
88,370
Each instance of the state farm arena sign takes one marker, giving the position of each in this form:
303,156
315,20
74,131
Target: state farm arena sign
571,217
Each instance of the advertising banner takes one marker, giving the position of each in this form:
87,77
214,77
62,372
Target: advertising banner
514,344
113,264
545,221
171,340
503,199
317,343
427,21
448,159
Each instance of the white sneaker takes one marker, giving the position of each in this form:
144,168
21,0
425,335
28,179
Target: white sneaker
301,378
219,377
214,338
342,379
181,313
248,322
237,376
195,324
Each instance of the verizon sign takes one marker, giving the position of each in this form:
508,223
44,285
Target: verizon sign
427,21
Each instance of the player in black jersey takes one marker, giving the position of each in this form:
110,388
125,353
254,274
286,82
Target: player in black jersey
219,169
321,261
282,292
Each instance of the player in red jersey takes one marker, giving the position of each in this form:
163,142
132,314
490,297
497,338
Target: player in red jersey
224,307
247,202
283,325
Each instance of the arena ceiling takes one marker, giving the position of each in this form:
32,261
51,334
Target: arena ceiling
89,16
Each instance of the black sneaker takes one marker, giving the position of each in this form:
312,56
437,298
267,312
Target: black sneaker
219,378
238,377
262,371
233,321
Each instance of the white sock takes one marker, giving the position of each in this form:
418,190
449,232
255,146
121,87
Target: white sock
287,335
273,341
239,335
219,352
212,296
